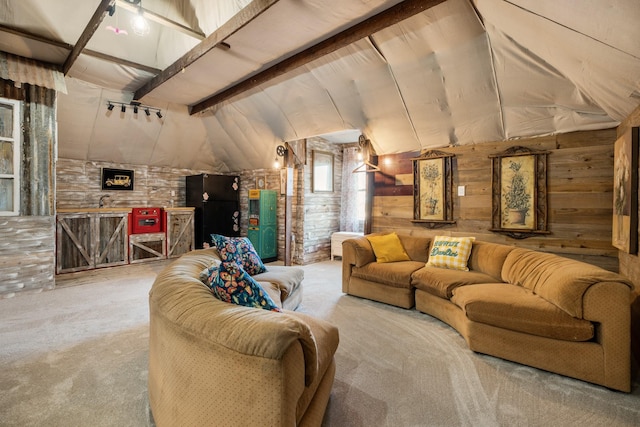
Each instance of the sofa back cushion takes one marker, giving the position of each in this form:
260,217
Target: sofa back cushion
559,280
416,246
488,258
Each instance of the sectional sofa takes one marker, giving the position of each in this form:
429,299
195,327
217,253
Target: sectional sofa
530,307
217,363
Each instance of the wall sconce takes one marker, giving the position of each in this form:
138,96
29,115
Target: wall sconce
136,107
281,151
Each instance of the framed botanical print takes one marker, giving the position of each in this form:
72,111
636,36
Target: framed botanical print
625,192
432,183
519,192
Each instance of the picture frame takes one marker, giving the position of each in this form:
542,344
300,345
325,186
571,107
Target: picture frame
432,186
625,192
117,179
322,172
519,192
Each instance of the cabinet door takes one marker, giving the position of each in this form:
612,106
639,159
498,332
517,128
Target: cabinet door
74,236
111,240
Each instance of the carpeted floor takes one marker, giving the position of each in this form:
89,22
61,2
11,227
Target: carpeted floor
77,356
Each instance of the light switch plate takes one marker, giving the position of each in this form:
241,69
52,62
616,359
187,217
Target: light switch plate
461,190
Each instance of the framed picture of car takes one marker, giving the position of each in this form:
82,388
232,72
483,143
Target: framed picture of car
117,179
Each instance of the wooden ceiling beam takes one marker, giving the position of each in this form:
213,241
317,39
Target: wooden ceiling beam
215,39
382,20
88,32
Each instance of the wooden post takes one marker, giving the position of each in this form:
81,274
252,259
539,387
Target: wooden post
288,206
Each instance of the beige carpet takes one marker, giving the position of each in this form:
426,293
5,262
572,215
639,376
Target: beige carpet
77,356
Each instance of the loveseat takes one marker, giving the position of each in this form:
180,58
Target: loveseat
530,307
217,363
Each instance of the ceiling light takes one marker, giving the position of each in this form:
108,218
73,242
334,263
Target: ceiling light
135,109
110,107
159,114
147,112
123,108
139,25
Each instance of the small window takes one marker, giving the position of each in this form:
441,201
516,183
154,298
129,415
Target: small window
9,157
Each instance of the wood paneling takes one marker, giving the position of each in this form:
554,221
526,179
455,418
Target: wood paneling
580,184
27,248
26,254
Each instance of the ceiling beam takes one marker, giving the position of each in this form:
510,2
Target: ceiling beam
88,32
215,39
69,47
152,16
382,20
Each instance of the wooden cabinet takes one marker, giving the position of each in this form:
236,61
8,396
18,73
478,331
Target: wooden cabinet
91,238
180,231
263,223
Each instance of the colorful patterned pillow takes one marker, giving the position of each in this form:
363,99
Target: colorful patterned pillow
450,252
239,250
230,283
206,275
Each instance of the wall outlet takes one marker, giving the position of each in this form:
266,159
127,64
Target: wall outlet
173,193
461,190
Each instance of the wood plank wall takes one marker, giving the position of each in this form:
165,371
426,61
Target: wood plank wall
321,210
27,255
630,263
79,185
580,184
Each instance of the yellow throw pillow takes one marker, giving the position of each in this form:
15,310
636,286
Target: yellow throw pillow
388,248
450,252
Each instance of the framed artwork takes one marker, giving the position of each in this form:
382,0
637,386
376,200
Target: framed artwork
261,182
117,179
432,184
322,172
519,192
625,192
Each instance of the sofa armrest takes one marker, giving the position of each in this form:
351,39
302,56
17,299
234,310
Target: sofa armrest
355,253
608,306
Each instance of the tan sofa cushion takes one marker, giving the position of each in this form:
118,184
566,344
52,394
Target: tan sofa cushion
417,247
286,278
442,281
519,309
396,274
488,258
561,281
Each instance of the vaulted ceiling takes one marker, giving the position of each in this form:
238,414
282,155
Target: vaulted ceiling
236,78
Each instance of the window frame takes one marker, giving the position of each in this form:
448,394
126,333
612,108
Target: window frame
16,141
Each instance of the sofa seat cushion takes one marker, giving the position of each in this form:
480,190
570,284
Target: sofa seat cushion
519,309
396,274
441,281
286,278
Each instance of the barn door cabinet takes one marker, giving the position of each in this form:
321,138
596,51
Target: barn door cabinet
91,238
180,234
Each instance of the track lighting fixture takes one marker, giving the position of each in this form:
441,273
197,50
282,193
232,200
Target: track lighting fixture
136,106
